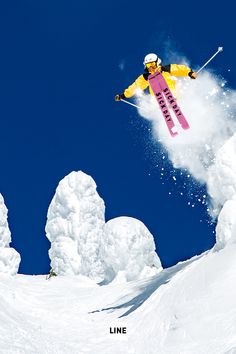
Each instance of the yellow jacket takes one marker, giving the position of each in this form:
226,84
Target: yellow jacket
167,71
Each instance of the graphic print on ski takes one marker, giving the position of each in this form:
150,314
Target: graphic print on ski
160,87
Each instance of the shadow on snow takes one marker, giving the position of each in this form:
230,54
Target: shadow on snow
148,287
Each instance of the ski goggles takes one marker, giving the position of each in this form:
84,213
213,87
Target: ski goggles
153,63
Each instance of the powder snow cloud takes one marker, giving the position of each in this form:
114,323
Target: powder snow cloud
207,149
210,109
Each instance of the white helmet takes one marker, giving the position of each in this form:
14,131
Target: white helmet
150,58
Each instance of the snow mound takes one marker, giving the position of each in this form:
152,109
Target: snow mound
9,257
129,250
74,226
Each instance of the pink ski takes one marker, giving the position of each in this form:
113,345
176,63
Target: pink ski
172,101
166,113
162,104
159,86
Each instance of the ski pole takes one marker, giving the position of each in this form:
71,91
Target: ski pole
220,49
132,104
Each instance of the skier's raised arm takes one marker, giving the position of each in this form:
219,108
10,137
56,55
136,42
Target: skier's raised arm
179,70
140,83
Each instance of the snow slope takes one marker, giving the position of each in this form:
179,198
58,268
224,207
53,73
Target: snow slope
188,308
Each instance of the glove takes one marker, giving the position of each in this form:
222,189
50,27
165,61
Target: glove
192,74
119,97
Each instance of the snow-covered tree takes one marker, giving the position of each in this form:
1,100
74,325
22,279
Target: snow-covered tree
222,174
226,225
9,257
222,189
74,226
129,250
81,242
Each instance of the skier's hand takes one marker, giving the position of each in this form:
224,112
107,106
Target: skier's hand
119,97
192,74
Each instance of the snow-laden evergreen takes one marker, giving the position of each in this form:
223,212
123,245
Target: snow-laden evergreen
129,250
222,174
226,225
9,257
222,189
5,234
74,226
82,244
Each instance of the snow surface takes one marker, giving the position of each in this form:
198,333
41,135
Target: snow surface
9,257
82,244
189,309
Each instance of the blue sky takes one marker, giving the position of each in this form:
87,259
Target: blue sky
60,69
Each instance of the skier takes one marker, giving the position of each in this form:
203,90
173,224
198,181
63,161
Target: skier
152,64
51,274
